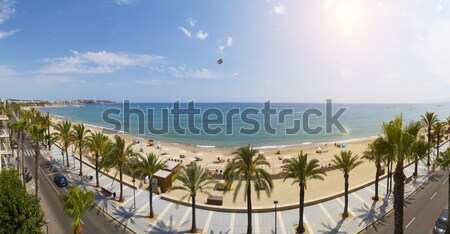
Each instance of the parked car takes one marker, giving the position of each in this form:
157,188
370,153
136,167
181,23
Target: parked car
60,180
441,224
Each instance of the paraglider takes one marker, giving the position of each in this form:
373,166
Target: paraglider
220,61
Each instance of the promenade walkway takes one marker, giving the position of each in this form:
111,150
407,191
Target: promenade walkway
172,218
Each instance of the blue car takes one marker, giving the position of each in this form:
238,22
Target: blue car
61,181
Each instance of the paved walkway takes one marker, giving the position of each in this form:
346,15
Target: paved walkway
172,218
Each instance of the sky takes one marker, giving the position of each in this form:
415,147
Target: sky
387,51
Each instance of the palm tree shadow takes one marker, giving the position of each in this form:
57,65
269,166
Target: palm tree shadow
330,229
368,215
103,203
162,227
126,215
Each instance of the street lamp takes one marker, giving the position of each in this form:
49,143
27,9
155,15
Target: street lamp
15,146
62,155
134,193
46,221
275,202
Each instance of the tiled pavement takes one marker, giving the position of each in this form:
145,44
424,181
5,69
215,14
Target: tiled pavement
319,218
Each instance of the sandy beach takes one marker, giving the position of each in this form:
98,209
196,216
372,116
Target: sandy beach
284,192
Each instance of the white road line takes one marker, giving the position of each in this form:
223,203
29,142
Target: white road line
370,190
333,222
208,221
349,210
433,196
281,221
256,216
305,220
160,216
183,219
359,198
131,198
410,222
232,220
383,185
53,173
445,181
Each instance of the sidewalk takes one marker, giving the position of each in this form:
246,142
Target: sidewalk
171,218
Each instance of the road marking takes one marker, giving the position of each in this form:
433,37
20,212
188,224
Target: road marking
370,190
281,221
256,215
131,197
445,181
306,222
53,173
232,220
433,196
333,222
383,185
183,219
407,225
160,216
359,198
208,221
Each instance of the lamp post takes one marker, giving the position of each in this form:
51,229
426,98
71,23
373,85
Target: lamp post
134,193
62,155
15,146
275,202
46,224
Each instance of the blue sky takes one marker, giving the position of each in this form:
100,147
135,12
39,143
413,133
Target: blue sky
284,51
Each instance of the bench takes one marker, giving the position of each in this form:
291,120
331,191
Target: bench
215,200
106,192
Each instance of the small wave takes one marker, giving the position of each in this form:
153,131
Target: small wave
206,146
306,143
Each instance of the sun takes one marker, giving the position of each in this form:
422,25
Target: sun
348,16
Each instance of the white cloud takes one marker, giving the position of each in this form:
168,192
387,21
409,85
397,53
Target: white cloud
202,35
6,10
191,21
183,72
185,31
278,9
229,43
123,2
7,34
97,62
153,82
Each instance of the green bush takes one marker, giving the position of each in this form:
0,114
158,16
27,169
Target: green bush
175,176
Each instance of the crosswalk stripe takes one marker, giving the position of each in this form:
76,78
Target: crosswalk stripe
183,219
256,216
232,220
281,221
359,198
307,225
208,221
333,222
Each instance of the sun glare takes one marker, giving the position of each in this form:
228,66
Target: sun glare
348,18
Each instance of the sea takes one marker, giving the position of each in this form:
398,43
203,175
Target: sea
359,121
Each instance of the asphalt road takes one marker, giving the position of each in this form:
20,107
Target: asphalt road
93,221
422,209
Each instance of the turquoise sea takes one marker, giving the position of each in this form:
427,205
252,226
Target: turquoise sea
360,120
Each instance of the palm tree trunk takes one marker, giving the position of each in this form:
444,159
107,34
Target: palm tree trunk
429,142
416,165
399,178
387,178
377,178
345,214
96,171
390,176
121,185
300,228
194,221
150,200
81,162
36,168
249,209
67,157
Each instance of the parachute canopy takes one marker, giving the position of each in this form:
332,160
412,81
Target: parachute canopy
220,61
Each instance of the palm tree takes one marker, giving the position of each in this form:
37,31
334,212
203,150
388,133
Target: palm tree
419,151
36,133
194,179
76,202
438,134
346,162
401,140
146,167
444,161
301,170
21,126
447,122
79,136
376,153
63,134
428,120
117,156
97,144
248,166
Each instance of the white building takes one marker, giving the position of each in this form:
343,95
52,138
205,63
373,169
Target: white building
5,149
